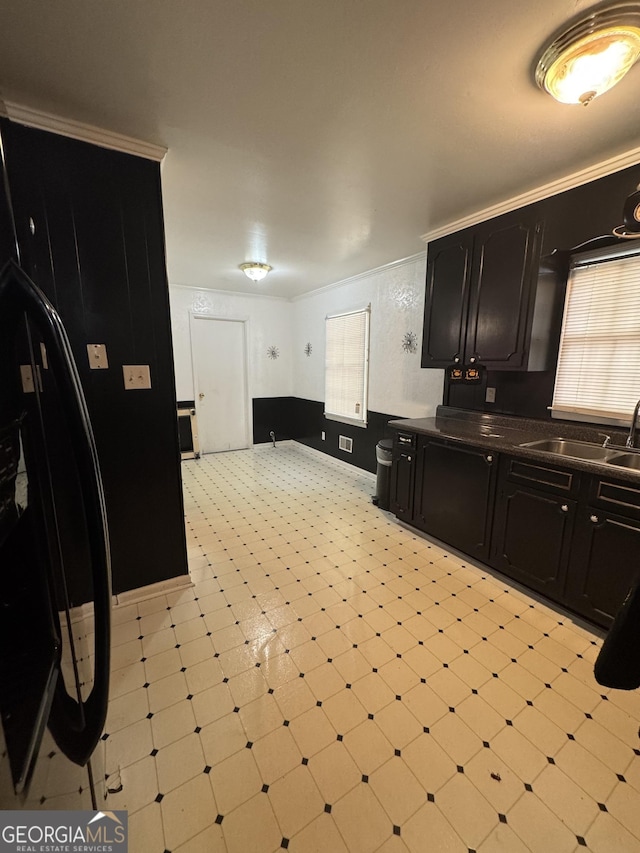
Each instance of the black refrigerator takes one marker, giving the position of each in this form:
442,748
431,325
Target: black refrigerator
54,658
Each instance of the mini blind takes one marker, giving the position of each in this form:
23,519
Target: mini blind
347,367
598,374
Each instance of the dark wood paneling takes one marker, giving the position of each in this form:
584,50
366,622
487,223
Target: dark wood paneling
98,253
275,414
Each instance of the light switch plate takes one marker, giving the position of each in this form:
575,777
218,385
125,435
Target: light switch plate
26,373
97,356
490,396
136,376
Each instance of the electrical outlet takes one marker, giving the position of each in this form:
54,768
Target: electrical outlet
324,435
97,354
490,395
136,376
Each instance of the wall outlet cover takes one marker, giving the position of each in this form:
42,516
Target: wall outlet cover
97,354
490,395
136,376
324,435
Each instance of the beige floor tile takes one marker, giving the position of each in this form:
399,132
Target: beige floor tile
320,836
481,717
376,652
502,698
161,665
467,810
586,771
607,835
334,771
126,710
398,724
582,696
158,641
397,789
430,823
368,746
126,654
295,800
624,805
179,762
294,698
222,738
503,840
125,680
139,786
559,710
372,692
495,780
187,811
276,754
235,780
261,716
539,729
451,689
128,745
424,703
456,738
211,704
361,820
324,681
568,801
209,841
172,724
251,828
145,829
422,661
167,691
604,745
539,828
525,759
344,711
312,731
399,675
353,664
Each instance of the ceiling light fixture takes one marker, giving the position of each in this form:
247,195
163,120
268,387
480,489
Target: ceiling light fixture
592,55
255,271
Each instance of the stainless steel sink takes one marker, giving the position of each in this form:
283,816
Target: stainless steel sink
626,460
575,449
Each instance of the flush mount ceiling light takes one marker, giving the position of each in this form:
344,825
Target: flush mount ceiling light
255,271
592,55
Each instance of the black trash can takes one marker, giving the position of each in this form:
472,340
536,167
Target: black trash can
384,455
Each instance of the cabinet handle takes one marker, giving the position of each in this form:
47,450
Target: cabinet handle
456,359
489,459
408,459
564,508
472,359
594,519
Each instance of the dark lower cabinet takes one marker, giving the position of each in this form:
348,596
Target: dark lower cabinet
454,492
570,536
605,560
532,537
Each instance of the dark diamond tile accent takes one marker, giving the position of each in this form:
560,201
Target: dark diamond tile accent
219,819
365,778
190,697
396,830
452,710
530,703
183,669
105,736
348,686
397,753
236,710
327,808
527,787
153,752
509,722
146,685
474,691
425,729
225,680
159,798
431,798
270,691
207,769
570,736
248,745
502,818
460,768
265,789
486,744
149,715
339,737
398,698
423,681
318,704
305,761
620,777
197,730
581,841
602,807
588,716
548,686
550,759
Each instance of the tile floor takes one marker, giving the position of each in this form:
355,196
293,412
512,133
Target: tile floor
334,682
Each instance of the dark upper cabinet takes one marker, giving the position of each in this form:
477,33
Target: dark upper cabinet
488,299
454,492
447,299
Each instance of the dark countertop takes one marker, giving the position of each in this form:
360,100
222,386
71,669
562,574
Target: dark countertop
506,434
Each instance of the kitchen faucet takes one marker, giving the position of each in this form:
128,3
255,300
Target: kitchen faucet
631,438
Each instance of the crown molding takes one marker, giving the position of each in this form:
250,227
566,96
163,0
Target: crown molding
84,132
569,182
218,292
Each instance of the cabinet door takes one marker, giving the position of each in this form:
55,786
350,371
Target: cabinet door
605,560
446,300
532,536
455,487
505,261
402,484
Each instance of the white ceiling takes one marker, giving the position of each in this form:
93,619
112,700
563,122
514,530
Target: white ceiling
320,136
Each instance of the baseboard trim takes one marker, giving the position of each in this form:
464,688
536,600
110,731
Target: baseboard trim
153,590
345,466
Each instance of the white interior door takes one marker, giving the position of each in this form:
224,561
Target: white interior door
220,383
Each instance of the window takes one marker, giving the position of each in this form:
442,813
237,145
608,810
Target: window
347,367
598,374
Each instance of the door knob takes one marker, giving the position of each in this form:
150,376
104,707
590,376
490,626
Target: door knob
565,508
201,396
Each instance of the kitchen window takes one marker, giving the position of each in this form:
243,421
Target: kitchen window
347,367
598,373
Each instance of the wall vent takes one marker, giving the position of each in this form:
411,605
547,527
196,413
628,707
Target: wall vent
345,443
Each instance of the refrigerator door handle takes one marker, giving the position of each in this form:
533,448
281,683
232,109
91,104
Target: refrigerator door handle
75,726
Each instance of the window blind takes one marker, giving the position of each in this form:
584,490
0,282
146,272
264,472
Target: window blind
347,366
598,373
